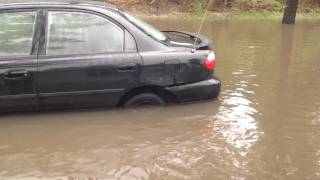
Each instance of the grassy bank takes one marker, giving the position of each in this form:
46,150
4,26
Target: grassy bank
275,15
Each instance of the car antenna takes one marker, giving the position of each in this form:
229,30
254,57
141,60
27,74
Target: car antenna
200,28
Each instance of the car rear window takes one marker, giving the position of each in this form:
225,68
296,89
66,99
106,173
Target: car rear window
147,28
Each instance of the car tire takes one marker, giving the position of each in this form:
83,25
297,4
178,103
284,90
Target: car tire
144,100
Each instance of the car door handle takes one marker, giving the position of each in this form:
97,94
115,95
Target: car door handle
16,74
127,67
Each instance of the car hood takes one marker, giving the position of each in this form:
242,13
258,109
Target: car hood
187,39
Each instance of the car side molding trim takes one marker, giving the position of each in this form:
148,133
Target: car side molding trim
80,93
20,96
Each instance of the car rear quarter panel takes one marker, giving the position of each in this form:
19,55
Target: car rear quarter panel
171,68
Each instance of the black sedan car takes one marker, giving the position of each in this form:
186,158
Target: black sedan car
67,54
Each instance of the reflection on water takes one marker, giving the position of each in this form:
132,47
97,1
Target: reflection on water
238,123
266,124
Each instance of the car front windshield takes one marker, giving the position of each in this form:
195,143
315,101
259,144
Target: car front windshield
145,27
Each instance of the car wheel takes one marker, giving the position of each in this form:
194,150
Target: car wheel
145,99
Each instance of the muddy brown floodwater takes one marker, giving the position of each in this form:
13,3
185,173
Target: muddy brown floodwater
266,124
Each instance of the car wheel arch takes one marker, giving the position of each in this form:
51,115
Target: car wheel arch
166,95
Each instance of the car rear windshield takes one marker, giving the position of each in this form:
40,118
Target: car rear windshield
150,30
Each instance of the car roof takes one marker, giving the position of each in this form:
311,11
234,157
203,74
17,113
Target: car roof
4,3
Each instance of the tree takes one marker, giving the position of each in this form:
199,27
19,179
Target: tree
290,12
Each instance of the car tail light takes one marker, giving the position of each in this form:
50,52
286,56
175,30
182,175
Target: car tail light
210,61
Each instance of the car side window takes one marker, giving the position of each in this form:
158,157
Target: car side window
82,33
16,32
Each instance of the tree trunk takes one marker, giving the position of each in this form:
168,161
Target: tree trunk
290,12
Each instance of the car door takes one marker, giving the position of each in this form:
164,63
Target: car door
18,60
87,60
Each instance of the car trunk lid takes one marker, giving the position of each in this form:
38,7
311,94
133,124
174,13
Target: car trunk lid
187,39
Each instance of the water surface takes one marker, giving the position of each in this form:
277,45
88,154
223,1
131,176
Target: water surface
266,124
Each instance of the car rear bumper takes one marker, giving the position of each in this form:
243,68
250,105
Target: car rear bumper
203,90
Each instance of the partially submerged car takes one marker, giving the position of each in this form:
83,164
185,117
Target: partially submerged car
66,54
